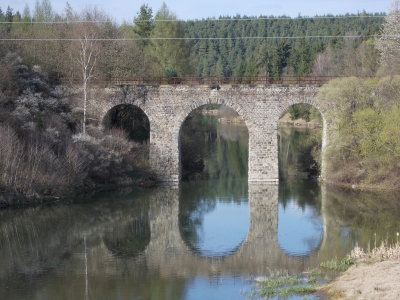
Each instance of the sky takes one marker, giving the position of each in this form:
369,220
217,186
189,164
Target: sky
121,10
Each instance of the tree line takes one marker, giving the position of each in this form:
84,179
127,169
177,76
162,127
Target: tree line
230,57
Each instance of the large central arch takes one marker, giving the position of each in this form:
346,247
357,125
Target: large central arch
183,133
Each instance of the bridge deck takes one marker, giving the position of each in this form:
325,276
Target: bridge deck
210,80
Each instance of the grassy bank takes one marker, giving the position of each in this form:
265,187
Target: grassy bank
363,274
375,275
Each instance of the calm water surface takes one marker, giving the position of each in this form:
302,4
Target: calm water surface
204,239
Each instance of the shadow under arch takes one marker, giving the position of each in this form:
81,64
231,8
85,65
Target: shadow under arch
131,119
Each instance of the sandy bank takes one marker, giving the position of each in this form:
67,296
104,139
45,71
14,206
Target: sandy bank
379,280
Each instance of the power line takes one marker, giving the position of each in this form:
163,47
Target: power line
201,38
202,20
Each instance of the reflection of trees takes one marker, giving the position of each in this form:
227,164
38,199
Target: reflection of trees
37,242
212,150
199,198
304,192
365,213
299,152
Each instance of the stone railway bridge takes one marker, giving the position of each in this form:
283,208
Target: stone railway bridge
167,106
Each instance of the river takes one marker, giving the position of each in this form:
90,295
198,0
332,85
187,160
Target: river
207,238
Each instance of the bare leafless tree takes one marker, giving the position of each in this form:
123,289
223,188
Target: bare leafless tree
84,53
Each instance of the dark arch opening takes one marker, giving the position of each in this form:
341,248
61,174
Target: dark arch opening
131,120
300,142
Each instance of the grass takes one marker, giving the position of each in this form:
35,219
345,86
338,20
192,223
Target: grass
340,266
383,252
283,286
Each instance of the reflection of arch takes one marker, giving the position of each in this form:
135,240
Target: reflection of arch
200,199
259,252
129,241
297,253
131,118
304,193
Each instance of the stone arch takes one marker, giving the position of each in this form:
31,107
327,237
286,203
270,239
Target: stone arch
293,101
138,117
325,125
194,105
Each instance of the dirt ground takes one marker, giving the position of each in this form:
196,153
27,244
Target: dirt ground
379,280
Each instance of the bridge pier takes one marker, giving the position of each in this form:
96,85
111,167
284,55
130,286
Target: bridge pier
263,155
164,155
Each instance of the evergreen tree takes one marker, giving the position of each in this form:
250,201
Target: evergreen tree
144,22
169,56
301,58
219,69
279,58
9,18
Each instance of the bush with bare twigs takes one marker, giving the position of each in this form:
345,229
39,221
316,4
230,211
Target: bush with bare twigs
41,154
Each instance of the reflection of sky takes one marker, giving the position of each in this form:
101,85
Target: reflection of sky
202,288
300,230
223,229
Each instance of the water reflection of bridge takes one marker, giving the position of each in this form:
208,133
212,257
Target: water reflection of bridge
58,233
259,253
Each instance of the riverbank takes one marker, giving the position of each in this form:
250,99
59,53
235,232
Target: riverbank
376,275
367,280
12,199
362,187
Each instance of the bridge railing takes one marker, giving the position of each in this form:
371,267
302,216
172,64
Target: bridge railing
210,80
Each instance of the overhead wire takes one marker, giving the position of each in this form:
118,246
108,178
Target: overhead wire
202,20
200,38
